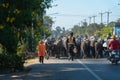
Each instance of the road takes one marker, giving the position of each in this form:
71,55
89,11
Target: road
79,69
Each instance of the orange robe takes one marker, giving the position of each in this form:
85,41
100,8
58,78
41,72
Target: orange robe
41,50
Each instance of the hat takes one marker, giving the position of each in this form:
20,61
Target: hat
113,36
41,42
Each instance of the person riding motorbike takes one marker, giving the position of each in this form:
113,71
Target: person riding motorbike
113,45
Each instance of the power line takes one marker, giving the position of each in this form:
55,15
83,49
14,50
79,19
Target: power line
72,15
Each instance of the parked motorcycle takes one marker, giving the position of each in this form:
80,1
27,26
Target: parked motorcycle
114,56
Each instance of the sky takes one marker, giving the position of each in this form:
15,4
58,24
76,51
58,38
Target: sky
68,13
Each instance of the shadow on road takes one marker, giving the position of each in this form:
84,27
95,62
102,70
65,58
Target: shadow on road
63,69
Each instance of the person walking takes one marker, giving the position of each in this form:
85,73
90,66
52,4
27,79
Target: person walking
71,43
41,51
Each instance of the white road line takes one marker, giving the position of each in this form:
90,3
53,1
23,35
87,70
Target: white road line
95,75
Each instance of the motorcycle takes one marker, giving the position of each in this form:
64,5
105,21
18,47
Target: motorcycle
114,56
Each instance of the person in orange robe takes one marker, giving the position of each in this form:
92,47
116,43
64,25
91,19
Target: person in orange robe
41,51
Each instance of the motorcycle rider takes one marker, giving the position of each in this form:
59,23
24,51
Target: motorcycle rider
114,44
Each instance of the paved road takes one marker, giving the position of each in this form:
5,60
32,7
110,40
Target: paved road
63,69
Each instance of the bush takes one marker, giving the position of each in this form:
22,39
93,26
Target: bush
11,62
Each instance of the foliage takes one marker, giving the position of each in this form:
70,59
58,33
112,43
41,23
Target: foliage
48,22
89,30
118,20
106,30
99,30
18,23
9,40
11,61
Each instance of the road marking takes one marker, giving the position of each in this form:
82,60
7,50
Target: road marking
95,75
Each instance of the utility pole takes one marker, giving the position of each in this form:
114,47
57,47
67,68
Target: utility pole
101,15
108,13
94,18
90,20
81,23
85,20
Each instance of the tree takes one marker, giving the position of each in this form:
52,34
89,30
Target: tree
48,22
58,31
106,30
76,29
118,20
18,20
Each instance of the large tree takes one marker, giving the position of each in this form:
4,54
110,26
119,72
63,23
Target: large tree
18,20
17,17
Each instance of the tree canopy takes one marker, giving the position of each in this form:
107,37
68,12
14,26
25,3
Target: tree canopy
21,21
